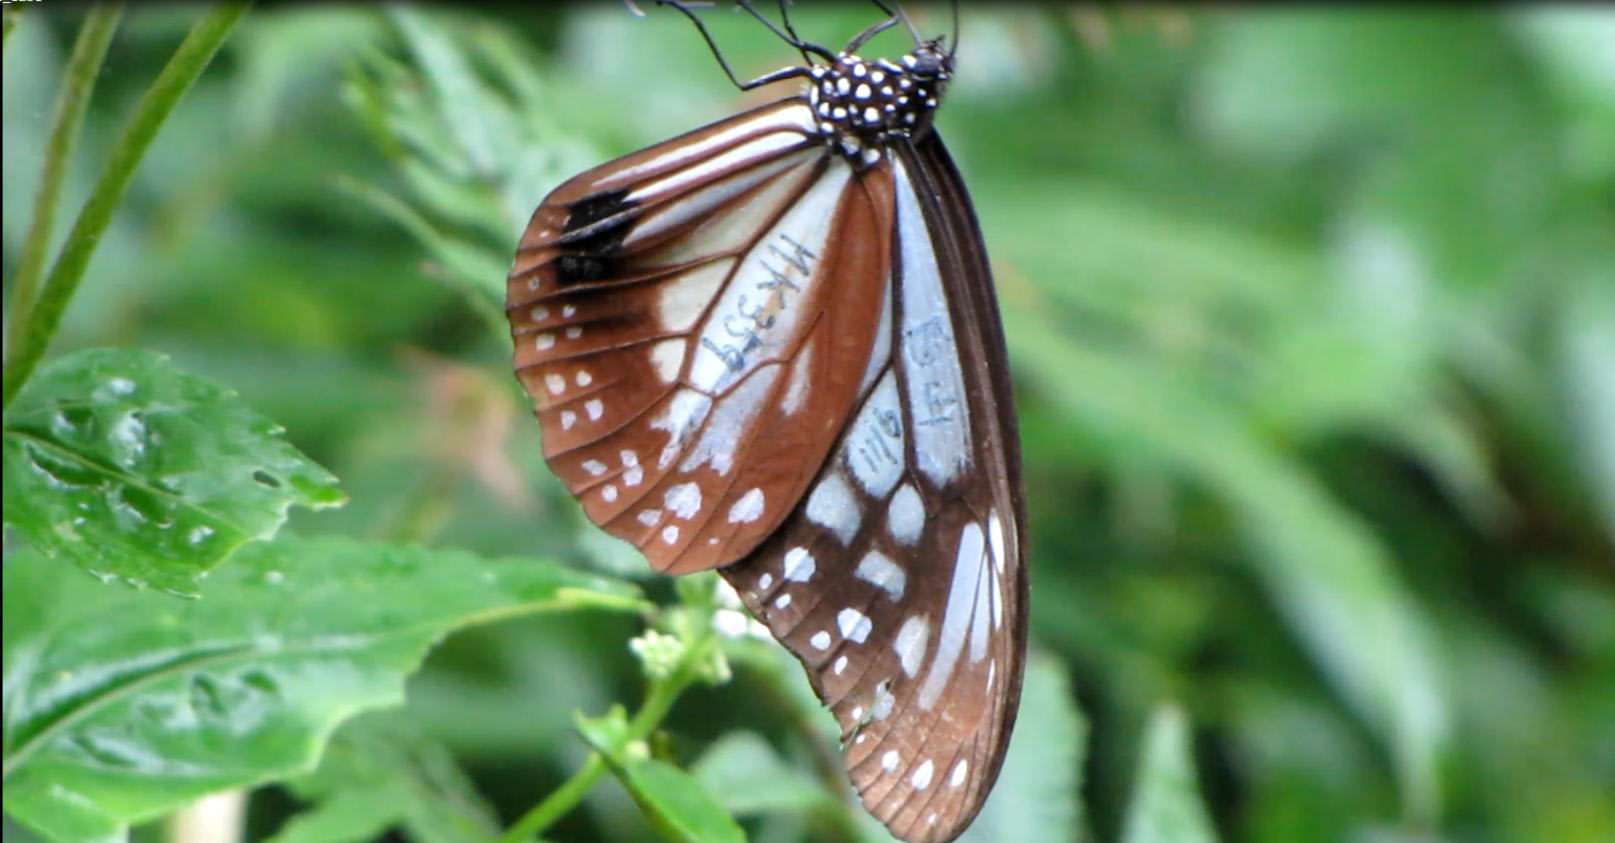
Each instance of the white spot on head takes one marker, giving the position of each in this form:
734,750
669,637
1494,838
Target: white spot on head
609,493
862,92
684,500
871,114
782,601
584,378
799,565
556,383
905,516
670,534
594,467
748,509
880,571
922,776
544,341
649,517
960,770
843,86
832,506
820,640
840,666
667,356
568,418
595,408
878,77
910,644
855,626
890,760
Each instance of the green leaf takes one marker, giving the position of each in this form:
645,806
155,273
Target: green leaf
122,705
673,801
748,777
380,772
1166,805
1036,797
131,469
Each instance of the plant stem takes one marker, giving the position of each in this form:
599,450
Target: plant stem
658,702
42,320
78,82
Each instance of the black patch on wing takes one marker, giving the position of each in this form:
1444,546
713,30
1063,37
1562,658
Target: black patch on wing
595,227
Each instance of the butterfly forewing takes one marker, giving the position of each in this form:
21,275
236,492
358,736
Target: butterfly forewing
771,346
690,321
898,581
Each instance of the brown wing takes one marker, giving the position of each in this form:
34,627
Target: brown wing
899,581
691,321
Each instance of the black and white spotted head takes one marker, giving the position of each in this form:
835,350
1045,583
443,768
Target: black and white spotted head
862,106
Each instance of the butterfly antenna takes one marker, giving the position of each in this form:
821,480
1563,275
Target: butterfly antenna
684,9
787,35
953,46
903,16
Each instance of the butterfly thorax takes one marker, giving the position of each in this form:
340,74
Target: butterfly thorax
862,107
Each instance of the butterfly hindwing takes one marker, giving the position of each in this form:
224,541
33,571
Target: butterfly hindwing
898,580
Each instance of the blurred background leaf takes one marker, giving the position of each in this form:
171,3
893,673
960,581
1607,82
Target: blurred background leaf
1310,314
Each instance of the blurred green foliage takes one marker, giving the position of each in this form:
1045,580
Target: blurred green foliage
1312,318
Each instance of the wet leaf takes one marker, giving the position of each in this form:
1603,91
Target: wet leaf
134,470
122,705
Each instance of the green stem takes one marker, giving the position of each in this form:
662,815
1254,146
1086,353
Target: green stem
78,81
658,702
42,320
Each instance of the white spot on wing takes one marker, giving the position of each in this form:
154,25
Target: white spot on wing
684,500
880,571
667,356
594,467
905,516
910,643
995,540
799,565
854,625
960,770
568,418
556,383
922,776
670,533
832,506
595,408
748,509
890,760
820,640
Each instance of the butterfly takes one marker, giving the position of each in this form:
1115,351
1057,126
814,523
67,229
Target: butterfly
771,346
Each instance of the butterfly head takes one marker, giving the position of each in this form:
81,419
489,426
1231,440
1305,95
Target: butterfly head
862,107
